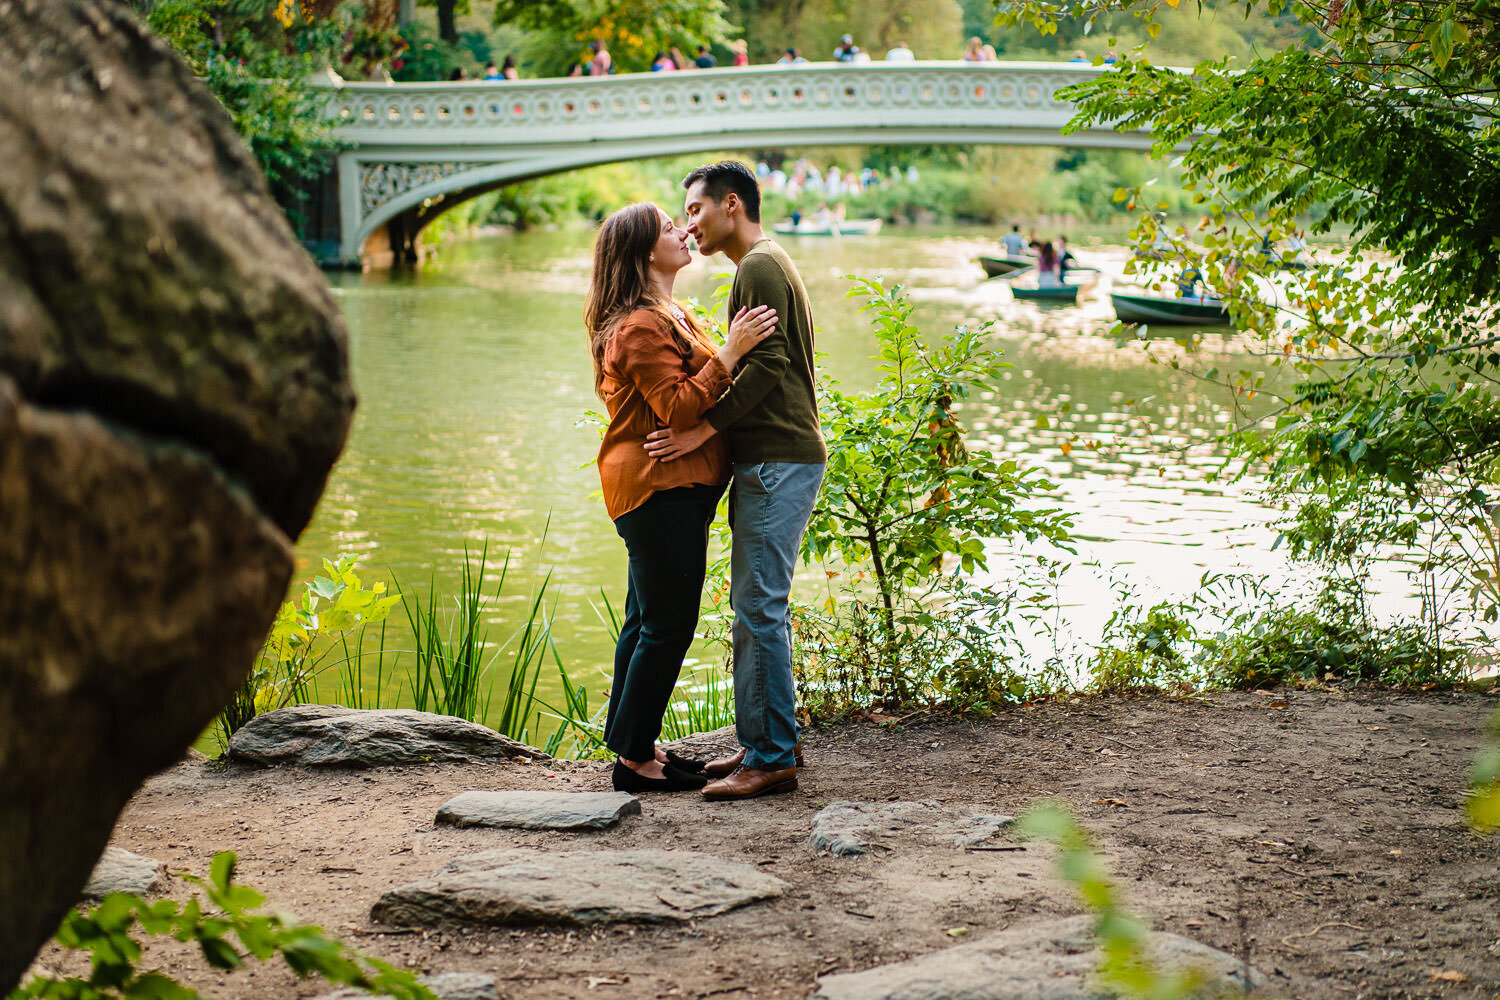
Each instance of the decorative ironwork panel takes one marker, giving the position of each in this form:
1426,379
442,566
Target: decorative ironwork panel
380,182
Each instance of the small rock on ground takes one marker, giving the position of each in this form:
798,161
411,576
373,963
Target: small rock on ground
119,870
851,827
1052,960
510,887
531,810
447,986
333,736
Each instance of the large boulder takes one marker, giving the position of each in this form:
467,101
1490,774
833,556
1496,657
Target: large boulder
537,810
173,390
519,887
334,736
120,870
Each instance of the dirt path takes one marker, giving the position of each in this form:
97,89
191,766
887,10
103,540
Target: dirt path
1321,831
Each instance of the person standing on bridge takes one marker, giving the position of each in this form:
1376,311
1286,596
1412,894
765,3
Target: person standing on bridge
901,53
654,367
770,417
603,62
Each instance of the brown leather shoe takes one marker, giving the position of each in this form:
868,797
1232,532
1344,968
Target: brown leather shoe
725,766
747,783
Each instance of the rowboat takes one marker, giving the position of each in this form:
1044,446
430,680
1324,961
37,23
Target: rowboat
848,227
996,266
1191,310
1046,293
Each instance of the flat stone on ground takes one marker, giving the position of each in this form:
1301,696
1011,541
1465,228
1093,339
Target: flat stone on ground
511,887
446,985
1052,960
120,870
333,736
531,810
851,827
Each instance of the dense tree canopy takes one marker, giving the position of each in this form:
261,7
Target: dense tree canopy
256,55
932,28
634,30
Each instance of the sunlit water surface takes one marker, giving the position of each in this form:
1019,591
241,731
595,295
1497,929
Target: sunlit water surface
474,386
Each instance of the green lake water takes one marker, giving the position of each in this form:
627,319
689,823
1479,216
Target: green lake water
474,385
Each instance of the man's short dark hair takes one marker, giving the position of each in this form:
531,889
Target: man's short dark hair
725,176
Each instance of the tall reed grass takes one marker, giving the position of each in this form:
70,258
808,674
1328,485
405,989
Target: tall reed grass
449,664
457,670
701,701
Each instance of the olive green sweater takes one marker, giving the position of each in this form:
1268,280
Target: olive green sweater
770,412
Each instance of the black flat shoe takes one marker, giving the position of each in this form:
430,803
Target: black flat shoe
625,780
685,764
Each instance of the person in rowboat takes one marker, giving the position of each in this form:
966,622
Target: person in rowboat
1013,242
1065,259
1046,267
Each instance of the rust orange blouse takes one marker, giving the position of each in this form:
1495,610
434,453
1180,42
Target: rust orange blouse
651,382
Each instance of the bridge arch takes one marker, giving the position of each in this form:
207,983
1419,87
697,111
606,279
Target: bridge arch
406,144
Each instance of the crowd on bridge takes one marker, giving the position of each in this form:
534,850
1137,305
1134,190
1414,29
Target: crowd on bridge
598,61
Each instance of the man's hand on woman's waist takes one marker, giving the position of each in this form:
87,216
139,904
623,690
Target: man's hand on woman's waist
667,444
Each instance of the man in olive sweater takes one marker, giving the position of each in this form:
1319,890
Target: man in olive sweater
770,415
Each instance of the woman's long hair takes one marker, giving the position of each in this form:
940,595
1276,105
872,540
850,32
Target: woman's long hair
621,282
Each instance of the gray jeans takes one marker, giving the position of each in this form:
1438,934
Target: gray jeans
769,504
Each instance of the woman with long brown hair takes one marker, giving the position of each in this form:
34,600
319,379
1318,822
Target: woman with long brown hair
655,368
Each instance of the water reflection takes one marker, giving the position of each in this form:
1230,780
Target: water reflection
474,381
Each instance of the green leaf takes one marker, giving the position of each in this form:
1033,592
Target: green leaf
1442,38
221,870
1484,809
220,953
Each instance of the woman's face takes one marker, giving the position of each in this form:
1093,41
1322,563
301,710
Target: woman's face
670,254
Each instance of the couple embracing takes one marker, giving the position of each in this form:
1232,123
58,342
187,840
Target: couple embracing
686,419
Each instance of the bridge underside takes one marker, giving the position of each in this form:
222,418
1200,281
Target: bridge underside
389,195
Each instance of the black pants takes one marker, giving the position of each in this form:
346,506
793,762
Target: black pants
667,541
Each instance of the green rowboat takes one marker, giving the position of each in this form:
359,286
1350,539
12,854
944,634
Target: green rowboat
1190,311
1046,293
996,266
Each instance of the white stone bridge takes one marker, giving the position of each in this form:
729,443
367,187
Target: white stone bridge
415,150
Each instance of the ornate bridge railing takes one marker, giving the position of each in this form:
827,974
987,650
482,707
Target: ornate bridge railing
409,143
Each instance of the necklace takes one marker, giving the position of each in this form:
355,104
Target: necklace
677,312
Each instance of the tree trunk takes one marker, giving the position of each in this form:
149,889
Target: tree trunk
888,656
447,24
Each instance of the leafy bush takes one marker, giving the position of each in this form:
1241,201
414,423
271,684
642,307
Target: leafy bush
105,932
335,611
906,509
1263,640
1288,645
1145,654
255,55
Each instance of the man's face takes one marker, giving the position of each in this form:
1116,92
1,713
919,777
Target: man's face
709,222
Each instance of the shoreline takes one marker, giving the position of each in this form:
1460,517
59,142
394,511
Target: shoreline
1328,823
